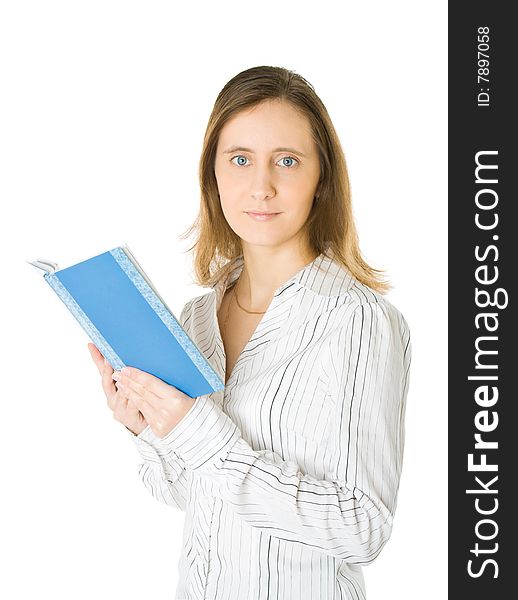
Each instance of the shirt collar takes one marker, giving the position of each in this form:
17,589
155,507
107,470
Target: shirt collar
323,276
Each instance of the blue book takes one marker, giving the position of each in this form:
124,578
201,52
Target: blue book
124,316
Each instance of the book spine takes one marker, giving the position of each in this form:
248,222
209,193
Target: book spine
87,325
166,316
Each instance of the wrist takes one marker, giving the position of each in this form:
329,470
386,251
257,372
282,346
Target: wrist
139,430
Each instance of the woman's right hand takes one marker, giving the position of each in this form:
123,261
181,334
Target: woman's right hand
124,411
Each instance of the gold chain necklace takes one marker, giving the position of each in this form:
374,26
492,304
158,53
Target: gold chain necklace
250,312
234,295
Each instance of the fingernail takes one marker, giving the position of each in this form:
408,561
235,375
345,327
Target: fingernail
116,375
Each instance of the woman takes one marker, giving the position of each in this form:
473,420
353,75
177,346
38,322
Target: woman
289,476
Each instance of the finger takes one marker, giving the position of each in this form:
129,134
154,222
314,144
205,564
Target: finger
95,352
136,401
116,398
106,378
153,384
97,357
140,392
132,410
119,401
121,395
107,368
127,384
132,396
120,407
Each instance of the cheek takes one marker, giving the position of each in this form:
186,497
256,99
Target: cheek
230,200
231,207
228,186
301,195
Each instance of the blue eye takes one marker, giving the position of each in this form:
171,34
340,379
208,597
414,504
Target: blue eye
238,156
242,161
289,158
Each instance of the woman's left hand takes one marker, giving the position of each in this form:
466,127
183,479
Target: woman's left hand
162,405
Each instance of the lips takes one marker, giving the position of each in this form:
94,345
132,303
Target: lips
261,212
262,216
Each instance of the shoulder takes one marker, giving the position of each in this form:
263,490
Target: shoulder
381,316
332,282
196,305
329,280
367,331
359,309
365,298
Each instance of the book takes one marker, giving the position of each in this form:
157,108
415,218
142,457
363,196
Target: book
123,314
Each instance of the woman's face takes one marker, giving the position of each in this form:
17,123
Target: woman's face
267,161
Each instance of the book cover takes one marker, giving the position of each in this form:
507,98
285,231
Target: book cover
124,316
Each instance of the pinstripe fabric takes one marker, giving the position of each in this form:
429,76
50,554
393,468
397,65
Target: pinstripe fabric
289,477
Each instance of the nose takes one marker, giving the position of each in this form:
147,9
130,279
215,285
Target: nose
262,184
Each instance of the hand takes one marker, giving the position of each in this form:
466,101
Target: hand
123,409
162,405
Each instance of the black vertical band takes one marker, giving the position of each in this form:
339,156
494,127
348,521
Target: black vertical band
483,258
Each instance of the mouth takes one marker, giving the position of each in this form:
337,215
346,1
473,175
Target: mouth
262,216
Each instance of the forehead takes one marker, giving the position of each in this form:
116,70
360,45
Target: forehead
270,123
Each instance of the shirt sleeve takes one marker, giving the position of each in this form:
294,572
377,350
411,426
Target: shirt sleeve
163,471
348,515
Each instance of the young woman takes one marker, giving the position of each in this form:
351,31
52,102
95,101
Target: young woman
289,476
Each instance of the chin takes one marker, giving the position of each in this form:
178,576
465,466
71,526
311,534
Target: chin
262,240
271,239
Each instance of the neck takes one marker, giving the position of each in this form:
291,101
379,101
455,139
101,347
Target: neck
265,268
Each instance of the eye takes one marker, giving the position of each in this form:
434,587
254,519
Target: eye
288,161
239,156
288,158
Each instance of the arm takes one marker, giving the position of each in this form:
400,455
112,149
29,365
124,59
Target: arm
350,515
163,471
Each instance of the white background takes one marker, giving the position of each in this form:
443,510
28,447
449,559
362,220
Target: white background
103,110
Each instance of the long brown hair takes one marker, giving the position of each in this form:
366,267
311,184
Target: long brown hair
330,225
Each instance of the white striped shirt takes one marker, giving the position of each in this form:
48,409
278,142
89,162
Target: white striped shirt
289,477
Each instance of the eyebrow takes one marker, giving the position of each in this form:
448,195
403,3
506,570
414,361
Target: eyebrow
280,149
